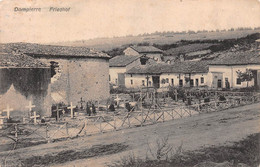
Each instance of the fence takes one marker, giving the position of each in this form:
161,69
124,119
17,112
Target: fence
16,135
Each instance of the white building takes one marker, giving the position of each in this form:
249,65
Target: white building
183,74
224,71
119,65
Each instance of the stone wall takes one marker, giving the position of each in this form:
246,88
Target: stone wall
76,78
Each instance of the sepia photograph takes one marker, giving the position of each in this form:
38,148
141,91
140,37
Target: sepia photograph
130,83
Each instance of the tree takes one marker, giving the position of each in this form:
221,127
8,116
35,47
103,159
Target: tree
245,76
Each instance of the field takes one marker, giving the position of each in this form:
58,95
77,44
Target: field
110,43
209,130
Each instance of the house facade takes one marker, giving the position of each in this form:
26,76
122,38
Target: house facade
223,73
183,74
75,72
119,65
149,51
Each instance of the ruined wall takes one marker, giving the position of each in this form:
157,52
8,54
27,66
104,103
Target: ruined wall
76,78
18,86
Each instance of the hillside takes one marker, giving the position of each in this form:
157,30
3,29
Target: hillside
160,39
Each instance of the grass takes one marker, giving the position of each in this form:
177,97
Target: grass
71,155
245,152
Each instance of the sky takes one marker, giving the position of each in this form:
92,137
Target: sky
89,19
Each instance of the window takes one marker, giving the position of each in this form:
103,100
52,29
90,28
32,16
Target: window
150,83
109,78
180,82
202,80
143,82
172,82
131,75
167,80
131,82
238,81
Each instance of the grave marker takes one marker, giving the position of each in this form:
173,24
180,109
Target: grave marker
8,110
117,99
176,95
2,118
71,110
34,117
81,103
30,106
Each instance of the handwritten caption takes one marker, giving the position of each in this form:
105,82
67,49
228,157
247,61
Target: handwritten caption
50,9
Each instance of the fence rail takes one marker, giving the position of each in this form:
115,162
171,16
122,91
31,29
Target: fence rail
49,132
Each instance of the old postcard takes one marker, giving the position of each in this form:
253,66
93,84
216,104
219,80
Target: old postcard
133,83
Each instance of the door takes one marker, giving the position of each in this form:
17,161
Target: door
191,83
219,83
217,80
197,82
156,81
121,79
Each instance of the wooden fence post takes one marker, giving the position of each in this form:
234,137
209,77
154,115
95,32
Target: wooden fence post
100,126
16,132
163,115
67,130
47,136
114,121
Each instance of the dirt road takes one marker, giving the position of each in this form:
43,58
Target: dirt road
218,128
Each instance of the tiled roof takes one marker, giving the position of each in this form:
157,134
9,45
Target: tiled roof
10,60
238,58
181,67
122,60
146,49
52,50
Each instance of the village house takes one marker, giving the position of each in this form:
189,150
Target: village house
119,65
75,72
149,51
183,74
223,72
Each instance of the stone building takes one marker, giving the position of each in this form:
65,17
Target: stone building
75,72
148,51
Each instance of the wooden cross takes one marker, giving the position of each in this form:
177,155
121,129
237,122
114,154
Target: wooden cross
57,113
81,103
71,109
8,110
30,106
117,99
176,94
34,117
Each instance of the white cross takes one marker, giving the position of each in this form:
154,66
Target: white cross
117,99
71,109
2,118
34,117
30,106
8,110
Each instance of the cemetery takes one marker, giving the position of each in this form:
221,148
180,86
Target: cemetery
120,111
